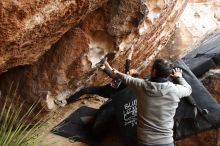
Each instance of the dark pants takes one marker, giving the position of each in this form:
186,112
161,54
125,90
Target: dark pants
171,144
105,118
104,91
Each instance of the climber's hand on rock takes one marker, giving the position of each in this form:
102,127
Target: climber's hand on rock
176,72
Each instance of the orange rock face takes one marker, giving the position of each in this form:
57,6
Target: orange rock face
211,80
29,28
62,41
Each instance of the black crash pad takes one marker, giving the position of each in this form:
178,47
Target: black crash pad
204,100
78,125
200,65
204,57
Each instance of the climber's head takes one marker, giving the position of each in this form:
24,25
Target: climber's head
161,68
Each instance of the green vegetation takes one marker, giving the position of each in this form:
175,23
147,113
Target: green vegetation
18,126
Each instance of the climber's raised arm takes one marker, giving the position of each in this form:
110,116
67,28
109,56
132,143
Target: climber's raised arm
128,60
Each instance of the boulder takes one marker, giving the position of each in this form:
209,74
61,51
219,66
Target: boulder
64,40
29,28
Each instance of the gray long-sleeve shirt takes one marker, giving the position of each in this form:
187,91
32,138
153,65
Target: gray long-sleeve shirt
156,107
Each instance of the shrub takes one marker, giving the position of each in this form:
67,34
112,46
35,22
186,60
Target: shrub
18,126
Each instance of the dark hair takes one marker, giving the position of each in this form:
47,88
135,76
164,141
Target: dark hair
162,67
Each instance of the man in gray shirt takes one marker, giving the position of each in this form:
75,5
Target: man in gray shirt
157,100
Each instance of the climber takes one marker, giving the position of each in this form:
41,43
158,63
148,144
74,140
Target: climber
157,100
